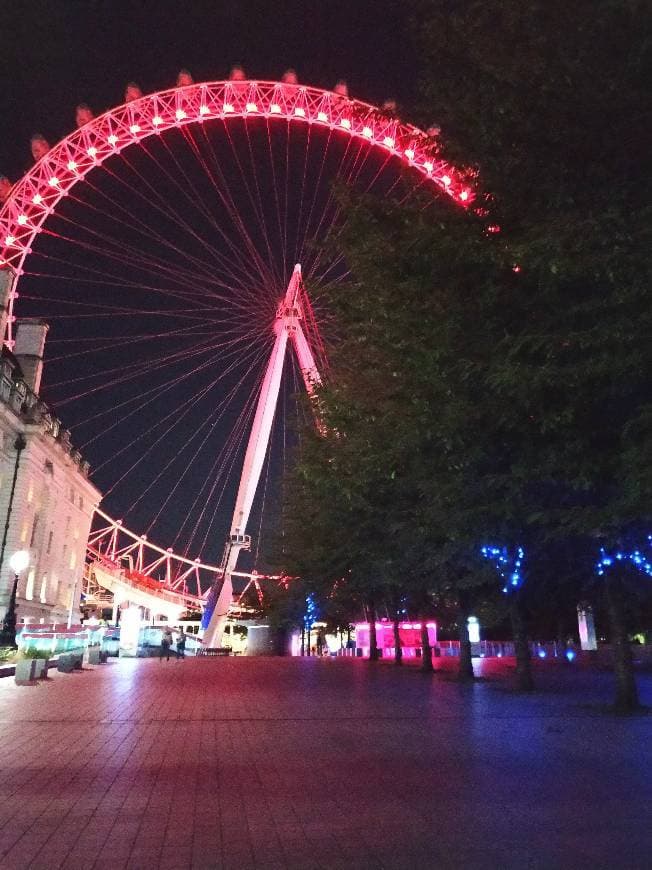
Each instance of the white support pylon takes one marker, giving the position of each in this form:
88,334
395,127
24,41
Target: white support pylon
287,325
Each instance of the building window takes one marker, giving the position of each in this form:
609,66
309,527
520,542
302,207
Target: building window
73,560
44,589
29,588
37,517
81,503
72,494
23,532
30,491
50,536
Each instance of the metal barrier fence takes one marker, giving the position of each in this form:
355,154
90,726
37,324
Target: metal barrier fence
483,649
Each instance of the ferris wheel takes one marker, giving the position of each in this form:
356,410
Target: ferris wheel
161,240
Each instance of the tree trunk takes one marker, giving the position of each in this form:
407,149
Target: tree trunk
398,652
373,643
561,637
465,668
426,651
281,642
524,681
626,689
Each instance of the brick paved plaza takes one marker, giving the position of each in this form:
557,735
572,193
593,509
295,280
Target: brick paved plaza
262,763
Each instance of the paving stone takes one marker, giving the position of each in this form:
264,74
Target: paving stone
274,763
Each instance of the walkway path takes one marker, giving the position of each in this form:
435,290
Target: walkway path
273,763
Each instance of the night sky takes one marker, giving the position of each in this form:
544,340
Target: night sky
57,54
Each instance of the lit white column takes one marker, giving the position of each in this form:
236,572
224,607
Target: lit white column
287,319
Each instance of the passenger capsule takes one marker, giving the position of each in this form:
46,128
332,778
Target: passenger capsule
83,114
184,79
39,145
132,92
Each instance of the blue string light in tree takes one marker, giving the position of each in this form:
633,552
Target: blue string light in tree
311,614
509,565
634,557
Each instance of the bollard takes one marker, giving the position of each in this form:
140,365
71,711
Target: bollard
25,672
65,664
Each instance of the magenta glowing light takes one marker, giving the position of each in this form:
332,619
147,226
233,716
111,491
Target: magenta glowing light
409,632
120,127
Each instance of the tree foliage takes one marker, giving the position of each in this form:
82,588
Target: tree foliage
498,383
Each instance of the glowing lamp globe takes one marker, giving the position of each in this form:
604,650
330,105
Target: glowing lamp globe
19,561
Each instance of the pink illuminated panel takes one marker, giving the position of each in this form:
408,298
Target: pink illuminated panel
409,632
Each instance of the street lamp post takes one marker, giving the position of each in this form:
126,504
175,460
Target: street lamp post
18,562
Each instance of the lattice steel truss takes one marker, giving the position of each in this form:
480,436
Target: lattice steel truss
36,195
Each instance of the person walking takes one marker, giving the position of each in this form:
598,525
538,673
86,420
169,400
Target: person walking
181,645
166,643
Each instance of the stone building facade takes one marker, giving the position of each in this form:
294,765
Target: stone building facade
46,499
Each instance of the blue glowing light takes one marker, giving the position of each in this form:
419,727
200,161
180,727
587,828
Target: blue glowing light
509,566
570,655
311,614
639,561
542,654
